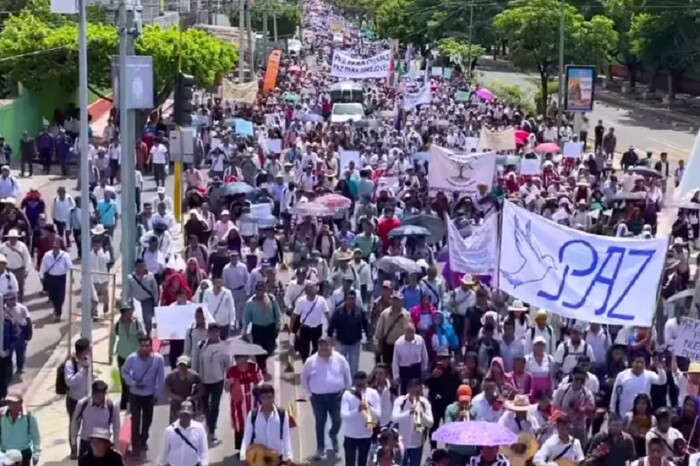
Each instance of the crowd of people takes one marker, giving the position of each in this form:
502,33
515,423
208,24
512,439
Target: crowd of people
284,234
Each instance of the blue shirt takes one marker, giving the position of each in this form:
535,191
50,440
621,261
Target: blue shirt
411,296
107,213
144,376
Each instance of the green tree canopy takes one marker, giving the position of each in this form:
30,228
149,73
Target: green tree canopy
39,54
531,28
288,18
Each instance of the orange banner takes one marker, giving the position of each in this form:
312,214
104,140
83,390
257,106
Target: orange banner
273,66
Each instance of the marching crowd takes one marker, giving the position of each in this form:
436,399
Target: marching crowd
460,368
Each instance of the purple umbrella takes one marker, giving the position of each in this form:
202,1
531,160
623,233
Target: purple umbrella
485,94
475,433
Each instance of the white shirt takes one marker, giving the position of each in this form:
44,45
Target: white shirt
61,208
267,433
529,424
167,200
483,411
553,447
9,187
19,314
631,386
599,343
221,306
669,438
176,452
154,260
58,264
8,282
17,256
159,154
387,404
406,422
354,420
408,353
98,264
671,330
547,333
321,376
592,383
545,369
568,362
311,313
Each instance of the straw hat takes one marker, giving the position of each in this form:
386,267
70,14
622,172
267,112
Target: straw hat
519,403
12,234
517,306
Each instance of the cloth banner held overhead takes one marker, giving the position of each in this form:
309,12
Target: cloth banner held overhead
590,278
497,140
477,253
345,66
244,93
450,172
421,97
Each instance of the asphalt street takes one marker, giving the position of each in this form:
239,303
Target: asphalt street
633,127
47,333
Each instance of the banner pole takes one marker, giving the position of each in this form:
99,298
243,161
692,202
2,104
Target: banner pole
499,236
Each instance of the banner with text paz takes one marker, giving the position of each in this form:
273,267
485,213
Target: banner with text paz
577,275
273,67
244,93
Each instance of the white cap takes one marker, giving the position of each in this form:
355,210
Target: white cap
539,339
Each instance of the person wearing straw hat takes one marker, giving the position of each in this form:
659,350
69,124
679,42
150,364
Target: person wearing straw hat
8,281
20,316
517,415
19,260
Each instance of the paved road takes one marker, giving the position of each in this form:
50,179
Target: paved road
632,126
47,333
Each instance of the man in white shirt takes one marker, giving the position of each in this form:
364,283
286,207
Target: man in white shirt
268,426
159,159
633,381
568,351
8,280
560,446
307,323
62,205
54,269
360,409
324,377
487,405
185,441
20,316
410,359
413,415
99,260
18,259
161,197
221,306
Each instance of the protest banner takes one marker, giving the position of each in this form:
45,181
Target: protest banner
530,167
274,146
450,172
471,144
590,278
347,67
173,321
687,343
261,211
420,97
347,156
573,150
447,73
462,96
436,71
497,140
243,93
477,253
243,127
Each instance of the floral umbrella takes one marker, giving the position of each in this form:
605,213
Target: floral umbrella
334,201
475,433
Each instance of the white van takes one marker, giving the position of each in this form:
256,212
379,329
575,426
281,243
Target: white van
294,48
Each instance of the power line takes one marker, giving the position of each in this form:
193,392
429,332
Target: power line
36,52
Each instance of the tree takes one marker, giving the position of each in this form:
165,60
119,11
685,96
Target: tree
531,28
623,12
288,18
40,54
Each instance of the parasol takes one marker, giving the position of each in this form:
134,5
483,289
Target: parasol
474,433
485,94
646,172
312,117
334,201
409,230
312,209
240,347
432,223
548,148
398,264
236,188
628,196
294,69
521,136
687,205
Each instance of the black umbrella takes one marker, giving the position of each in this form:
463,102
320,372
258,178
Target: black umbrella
398,264
409,230
434,224
646,172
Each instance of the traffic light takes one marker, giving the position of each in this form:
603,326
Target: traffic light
182,108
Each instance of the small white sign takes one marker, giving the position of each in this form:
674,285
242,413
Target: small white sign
64,7
573,150
687,344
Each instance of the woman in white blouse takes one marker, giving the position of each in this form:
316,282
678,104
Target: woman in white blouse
541,365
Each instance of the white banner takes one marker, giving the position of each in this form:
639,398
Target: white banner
345,66
477,253
174,320
497,140
421,97
450,172
586,277
687,343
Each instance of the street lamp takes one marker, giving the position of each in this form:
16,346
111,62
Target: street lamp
560,87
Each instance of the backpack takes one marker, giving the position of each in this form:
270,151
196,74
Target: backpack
549,331
566,351
61,385
254,416
86,401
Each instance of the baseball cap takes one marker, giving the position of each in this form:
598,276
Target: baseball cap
464,393
539,339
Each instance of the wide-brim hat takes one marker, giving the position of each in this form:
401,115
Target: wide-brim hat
521,458
343,256
518,403
468,279
13,234
517,306
99,230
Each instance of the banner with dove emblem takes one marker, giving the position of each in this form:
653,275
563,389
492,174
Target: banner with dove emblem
477,253
590,278
451,172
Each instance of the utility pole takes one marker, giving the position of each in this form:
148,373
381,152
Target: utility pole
264,31
127,131
560,87
251,44
85,276
471,28
241,54
274,27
